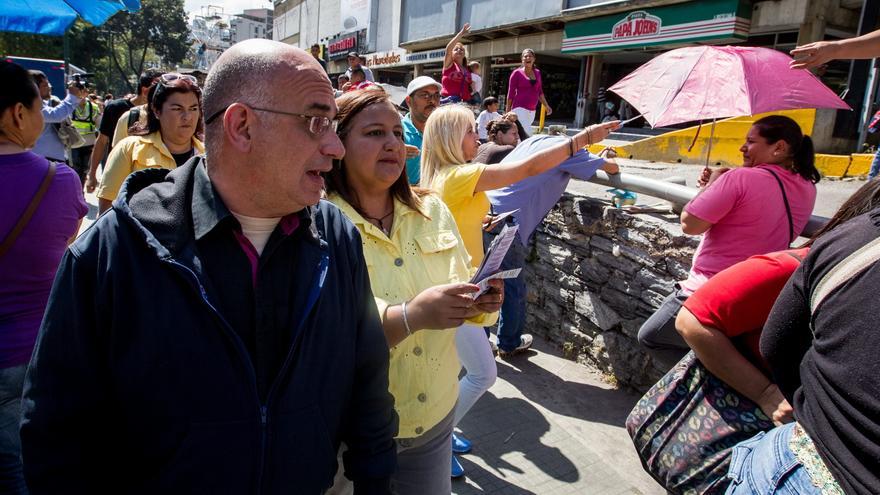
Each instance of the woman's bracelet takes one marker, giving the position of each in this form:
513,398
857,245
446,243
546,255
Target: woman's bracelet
405,321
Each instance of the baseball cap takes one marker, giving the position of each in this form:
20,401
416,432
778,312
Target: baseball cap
421,82
353,54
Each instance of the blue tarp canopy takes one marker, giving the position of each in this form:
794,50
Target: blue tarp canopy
53,17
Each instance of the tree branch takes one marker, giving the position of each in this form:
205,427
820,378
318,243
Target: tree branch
117,64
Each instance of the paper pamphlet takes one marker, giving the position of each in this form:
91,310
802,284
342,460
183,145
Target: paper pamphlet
491,264
484,284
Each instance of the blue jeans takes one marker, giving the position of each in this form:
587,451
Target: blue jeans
513,309
875,166
11,475
658,334
764,464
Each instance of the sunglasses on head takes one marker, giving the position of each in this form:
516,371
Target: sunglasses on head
173,76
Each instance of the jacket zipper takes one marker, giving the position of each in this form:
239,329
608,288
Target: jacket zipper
317,285
263,408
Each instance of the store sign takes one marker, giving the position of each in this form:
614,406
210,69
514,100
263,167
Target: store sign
384,59
636,25
425,57
340,46
707,20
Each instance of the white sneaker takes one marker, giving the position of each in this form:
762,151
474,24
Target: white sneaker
525,342
494,346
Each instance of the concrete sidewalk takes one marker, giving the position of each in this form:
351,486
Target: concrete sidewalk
551,426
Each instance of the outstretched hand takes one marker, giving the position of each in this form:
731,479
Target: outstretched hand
813,55
598,132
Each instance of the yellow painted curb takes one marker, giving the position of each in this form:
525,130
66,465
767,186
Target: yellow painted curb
832,165
861,164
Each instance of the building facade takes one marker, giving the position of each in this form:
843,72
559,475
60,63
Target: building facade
252,23
581,45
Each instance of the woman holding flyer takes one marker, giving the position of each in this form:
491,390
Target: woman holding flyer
419,273
450,142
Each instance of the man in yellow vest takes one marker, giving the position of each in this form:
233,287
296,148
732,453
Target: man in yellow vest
85,119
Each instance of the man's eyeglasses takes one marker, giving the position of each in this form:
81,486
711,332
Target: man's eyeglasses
318,124
427,96
173,76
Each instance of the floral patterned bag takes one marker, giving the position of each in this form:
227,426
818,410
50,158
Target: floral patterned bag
684,427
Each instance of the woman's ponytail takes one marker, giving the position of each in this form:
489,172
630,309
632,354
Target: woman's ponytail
805,161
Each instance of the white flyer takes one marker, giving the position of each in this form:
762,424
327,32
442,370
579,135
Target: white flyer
484,284
495,254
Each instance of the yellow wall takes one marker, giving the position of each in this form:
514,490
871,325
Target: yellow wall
728,138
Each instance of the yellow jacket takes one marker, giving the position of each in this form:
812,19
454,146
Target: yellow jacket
136,153
420,253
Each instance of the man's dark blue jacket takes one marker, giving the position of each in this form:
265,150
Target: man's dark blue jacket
138,385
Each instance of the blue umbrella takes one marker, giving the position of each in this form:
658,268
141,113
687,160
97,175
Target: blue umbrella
53,17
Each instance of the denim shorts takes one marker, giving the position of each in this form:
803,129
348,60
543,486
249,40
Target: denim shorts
764,464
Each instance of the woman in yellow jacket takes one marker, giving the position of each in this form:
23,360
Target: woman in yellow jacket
167,140
419,271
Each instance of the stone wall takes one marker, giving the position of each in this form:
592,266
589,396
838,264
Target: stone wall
596,273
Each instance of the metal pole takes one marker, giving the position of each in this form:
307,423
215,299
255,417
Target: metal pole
66,43
868,106
711,138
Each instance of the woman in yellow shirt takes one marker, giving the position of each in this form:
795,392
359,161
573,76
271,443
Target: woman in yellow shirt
167,140
450,142
419,271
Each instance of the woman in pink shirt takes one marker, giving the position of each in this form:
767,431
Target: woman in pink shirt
525,90
757,209
456,80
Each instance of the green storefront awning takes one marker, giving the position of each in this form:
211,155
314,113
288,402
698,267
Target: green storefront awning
703,20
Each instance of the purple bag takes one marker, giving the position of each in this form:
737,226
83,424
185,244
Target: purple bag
684,427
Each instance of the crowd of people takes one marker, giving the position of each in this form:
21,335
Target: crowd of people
279,291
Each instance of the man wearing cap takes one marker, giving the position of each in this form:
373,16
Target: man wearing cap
354,62
422,98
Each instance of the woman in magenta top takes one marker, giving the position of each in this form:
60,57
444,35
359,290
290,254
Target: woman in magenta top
756,209
456,79
525,90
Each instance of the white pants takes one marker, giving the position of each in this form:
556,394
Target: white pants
476,356
526,118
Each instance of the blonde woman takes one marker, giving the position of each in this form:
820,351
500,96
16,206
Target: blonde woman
450,142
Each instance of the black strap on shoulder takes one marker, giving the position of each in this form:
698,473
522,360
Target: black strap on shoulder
29,211
787,207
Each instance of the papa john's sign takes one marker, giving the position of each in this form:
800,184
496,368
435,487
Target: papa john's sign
716,21
636,25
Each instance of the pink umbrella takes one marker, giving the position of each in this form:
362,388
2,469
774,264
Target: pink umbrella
713,82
